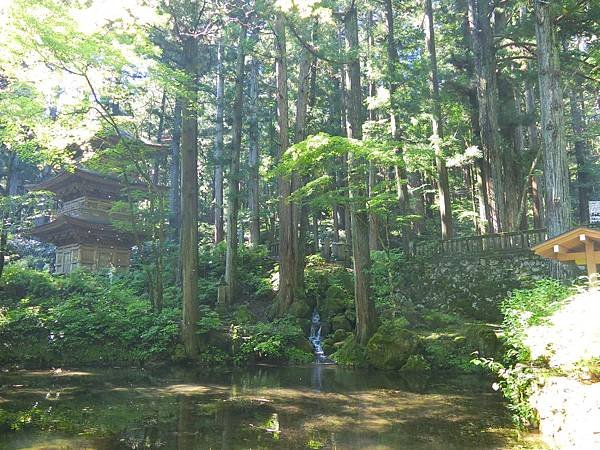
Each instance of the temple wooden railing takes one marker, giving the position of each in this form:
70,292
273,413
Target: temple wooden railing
514,241
92,209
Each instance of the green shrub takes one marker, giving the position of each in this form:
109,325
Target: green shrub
416,364
19,281
277,341
516,376
528,307
351,354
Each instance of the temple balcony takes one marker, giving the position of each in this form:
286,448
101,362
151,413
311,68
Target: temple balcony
92,209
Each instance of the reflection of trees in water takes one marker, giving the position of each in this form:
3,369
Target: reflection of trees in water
223,419
269,407
316,377
185,423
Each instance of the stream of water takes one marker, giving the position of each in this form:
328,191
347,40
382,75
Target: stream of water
316,340
318,406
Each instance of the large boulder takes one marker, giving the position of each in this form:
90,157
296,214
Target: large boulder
300,309
391,346
482,339
349,353
334,302
340,322
335,341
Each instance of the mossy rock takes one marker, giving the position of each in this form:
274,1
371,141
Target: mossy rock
391,346
334,341
438,319
416,364
484,308
482,339
350,314
328,346
340,322
300,309
340,335
304,345
334,302
178,355
350,353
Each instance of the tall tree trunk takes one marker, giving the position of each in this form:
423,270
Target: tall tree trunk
482,40
484,219
189,199
159,158
11,189
175,172
556,170
400,171
300,211
365,309
159,236
234,173
583,188
345,130
253,156
218,232
437,126
372,183
287,233
534,149
512,154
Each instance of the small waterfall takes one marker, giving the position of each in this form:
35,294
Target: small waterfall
315,338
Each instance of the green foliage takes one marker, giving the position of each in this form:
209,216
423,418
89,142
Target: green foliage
329,287
209,320
516,383
19,281
529,307
277,341
83,318
88,318
416,364
351,353
253,276
516,376
588,369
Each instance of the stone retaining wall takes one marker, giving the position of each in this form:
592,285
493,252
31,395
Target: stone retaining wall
473,285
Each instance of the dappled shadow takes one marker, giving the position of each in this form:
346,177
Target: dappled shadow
260,408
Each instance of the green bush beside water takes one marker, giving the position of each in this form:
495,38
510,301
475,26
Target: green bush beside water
107,319
515,371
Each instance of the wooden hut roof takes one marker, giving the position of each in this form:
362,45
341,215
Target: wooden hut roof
580,246
569,240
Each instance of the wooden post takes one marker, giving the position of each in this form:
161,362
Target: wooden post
590,260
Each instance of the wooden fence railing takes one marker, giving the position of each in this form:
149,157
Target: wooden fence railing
487,243
509,242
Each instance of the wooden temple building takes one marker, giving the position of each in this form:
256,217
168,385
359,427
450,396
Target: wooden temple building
580,246
82,225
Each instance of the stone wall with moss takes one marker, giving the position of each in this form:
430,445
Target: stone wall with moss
470,285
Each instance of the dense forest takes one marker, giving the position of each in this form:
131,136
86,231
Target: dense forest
296,163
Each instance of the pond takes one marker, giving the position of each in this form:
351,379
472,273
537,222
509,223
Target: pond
319,406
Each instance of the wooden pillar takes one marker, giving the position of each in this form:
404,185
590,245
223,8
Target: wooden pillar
590,258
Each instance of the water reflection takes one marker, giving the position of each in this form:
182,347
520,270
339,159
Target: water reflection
264,407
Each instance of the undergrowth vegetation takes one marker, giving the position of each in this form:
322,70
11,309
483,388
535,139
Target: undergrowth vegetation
515,370
107,318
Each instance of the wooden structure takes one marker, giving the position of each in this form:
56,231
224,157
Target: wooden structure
82,225
510,242
580,246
